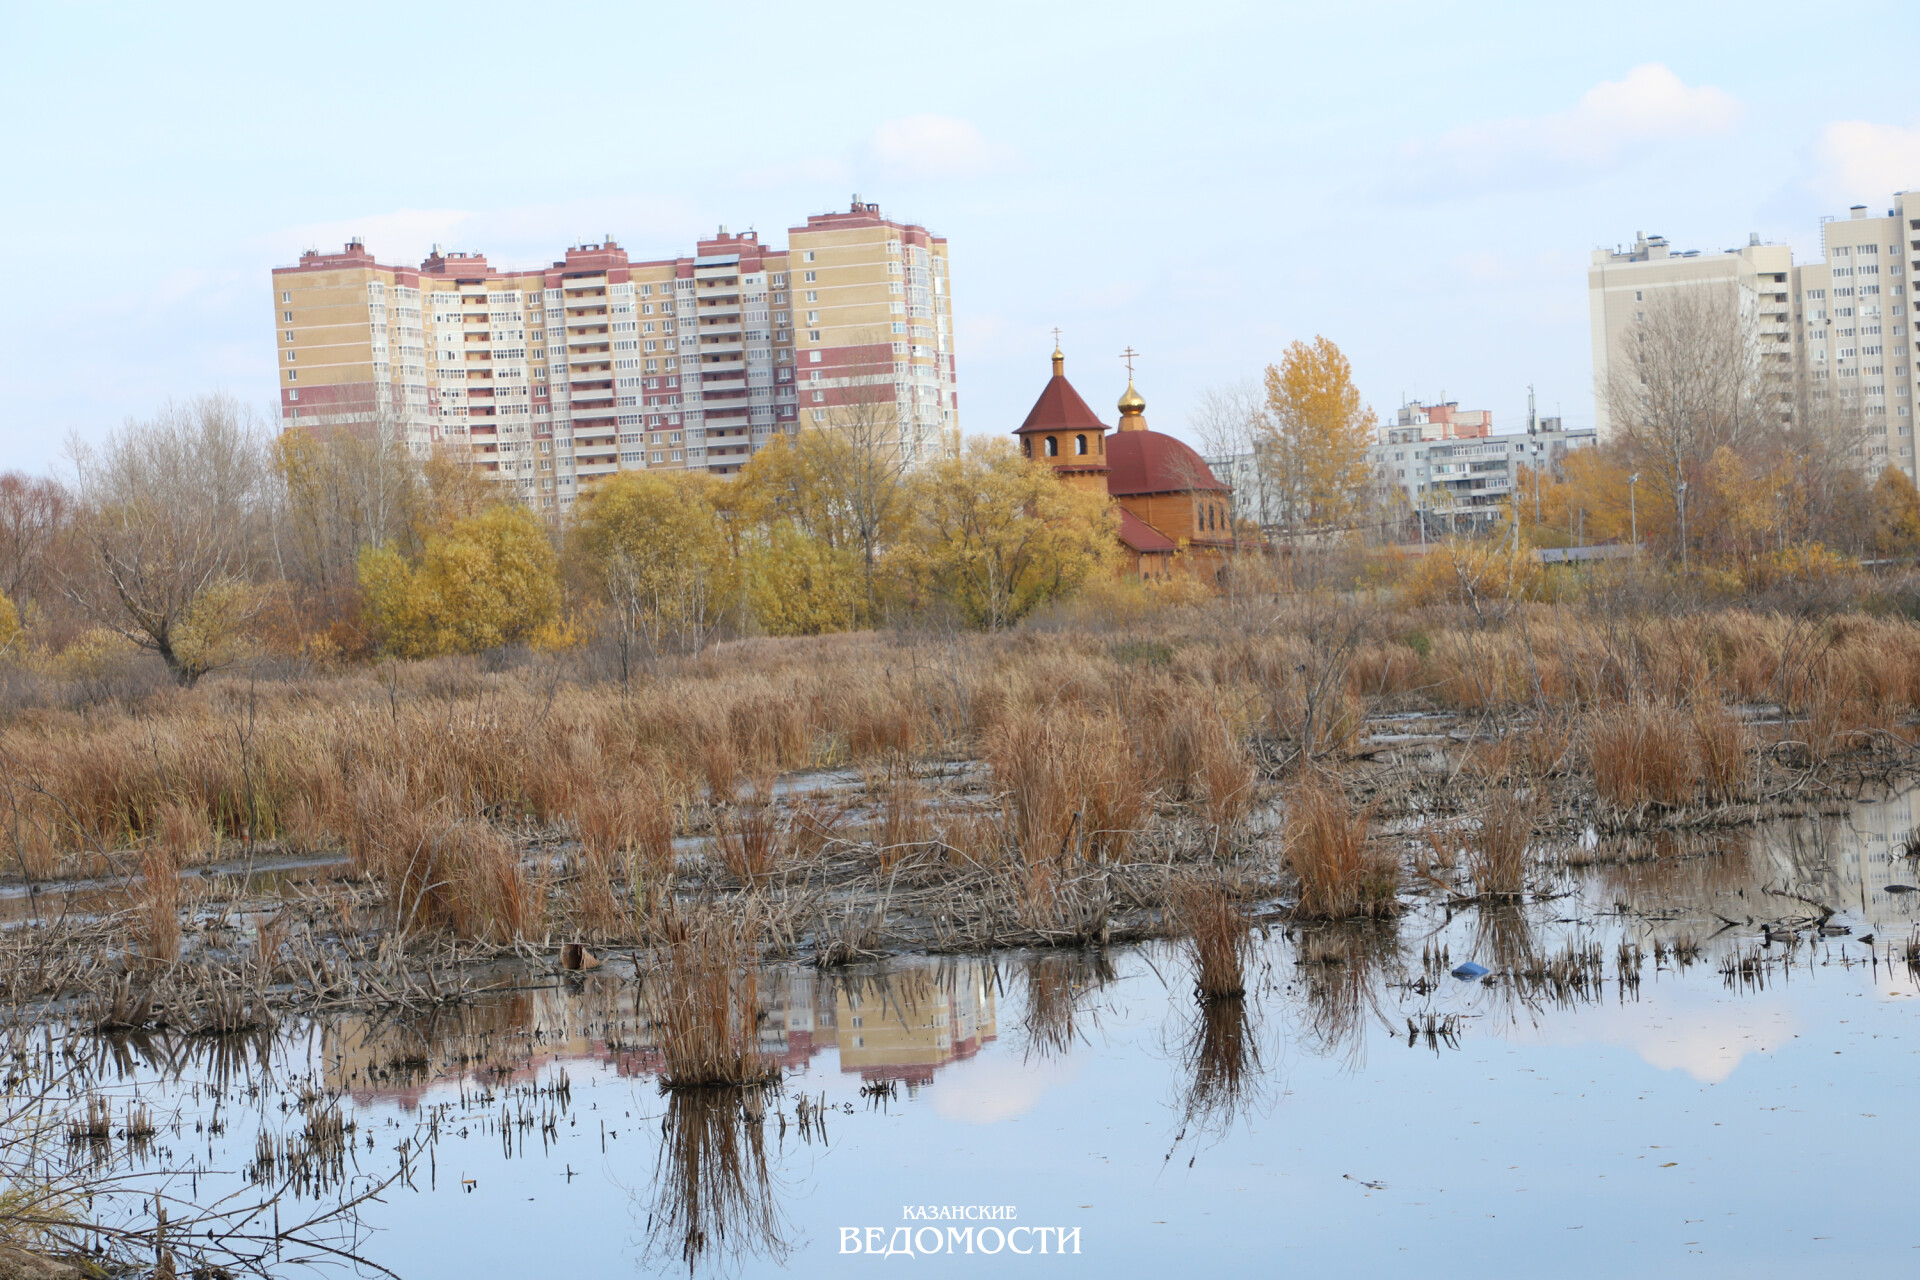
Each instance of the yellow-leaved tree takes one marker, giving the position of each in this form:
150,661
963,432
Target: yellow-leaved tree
660,559
1896,515
488,580
994,536
9,624
798,585
1313,441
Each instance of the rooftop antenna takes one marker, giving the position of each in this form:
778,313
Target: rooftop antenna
1533,421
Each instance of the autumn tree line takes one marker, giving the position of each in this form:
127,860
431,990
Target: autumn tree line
201,538
1723,460
1726,459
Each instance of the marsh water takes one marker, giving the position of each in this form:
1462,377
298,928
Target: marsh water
1676,1065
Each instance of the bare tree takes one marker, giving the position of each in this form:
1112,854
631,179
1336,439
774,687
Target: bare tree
1689,382
867,443
33,513
170,516
1231,423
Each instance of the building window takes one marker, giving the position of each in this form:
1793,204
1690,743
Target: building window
1053,446
1080,445
293,395
286,297
293,375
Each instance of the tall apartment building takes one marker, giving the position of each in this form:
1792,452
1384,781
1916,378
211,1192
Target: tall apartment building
1840,324
554,377
1620,283
1851,320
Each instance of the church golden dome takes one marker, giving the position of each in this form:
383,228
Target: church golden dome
1132,404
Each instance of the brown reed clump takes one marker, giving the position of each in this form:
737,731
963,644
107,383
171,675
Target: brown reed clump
1497,853
1072,784
749,840
903,823
184,832
157,901
704,1000
1722,743
1642,753
442,872
1218,939
1340,874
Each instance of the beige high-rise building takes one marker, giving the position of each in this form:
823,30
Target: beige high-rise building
1840,324
551,378
1851,321
1621,282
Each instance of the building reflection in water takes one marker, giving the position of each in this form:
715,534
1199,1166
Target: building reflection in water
901,1021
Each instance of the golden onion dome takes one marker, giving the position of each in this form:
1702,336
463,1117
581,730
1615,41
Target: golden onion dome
1131,403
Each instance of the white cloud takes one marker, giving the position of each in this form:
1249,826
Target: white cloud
1649,105
1863,161
918,148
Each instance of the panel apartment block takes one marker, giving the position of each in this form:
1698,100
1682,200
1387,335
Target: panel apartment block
551,378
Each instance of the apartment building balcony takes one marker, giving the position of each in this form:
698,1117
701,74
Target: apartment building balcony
721,326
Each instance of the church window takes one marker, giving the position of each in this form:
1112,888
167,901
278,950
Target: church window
1026,445
1053,446
1080,444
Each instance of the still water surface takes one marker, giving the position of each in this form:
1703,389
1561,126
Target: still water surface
1747,1107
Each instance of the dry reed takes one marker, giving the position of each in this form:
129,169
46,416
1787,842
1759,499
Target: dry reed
1497,854
704,1000
1339,873
1643,753
1218,939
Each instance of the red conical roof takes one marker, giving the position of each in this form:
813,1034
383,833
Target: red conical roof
1060,408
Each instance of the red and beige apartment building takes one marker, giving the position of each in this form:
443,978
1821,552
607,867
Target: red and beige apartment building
552,378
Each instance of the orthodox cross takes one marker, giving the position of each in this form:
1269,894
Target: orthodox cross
1128,356
1056,338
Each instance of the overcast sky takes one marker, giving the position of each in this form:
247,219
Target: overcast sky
1421,183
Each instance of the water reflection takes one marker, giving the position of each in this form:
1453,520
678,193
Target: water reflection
899,1022
712,1199
1343,970
1222,1065
1056,984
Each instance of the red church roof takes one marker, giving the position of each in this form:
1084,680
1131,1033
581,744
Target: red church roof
1060,408
1143,537
1148,462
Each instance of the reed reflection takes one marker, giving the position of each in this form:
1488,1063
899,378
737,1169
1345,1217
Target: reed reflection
1343,969
712,1198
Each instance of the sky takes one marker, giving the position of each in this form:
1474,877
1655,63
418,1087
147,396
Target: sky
1205,182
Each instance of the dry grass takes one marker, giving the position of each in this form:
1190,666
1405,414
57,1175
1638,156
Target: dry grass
1218,939
1497,853
750,836
1723,746
440,871
704,1000
157,901
1339,873
1642,752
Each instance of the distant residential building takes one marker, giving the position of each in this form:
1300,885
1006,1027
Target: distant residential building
1756,279
553,377
1464,483
1446,421
1850,324
1840,324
